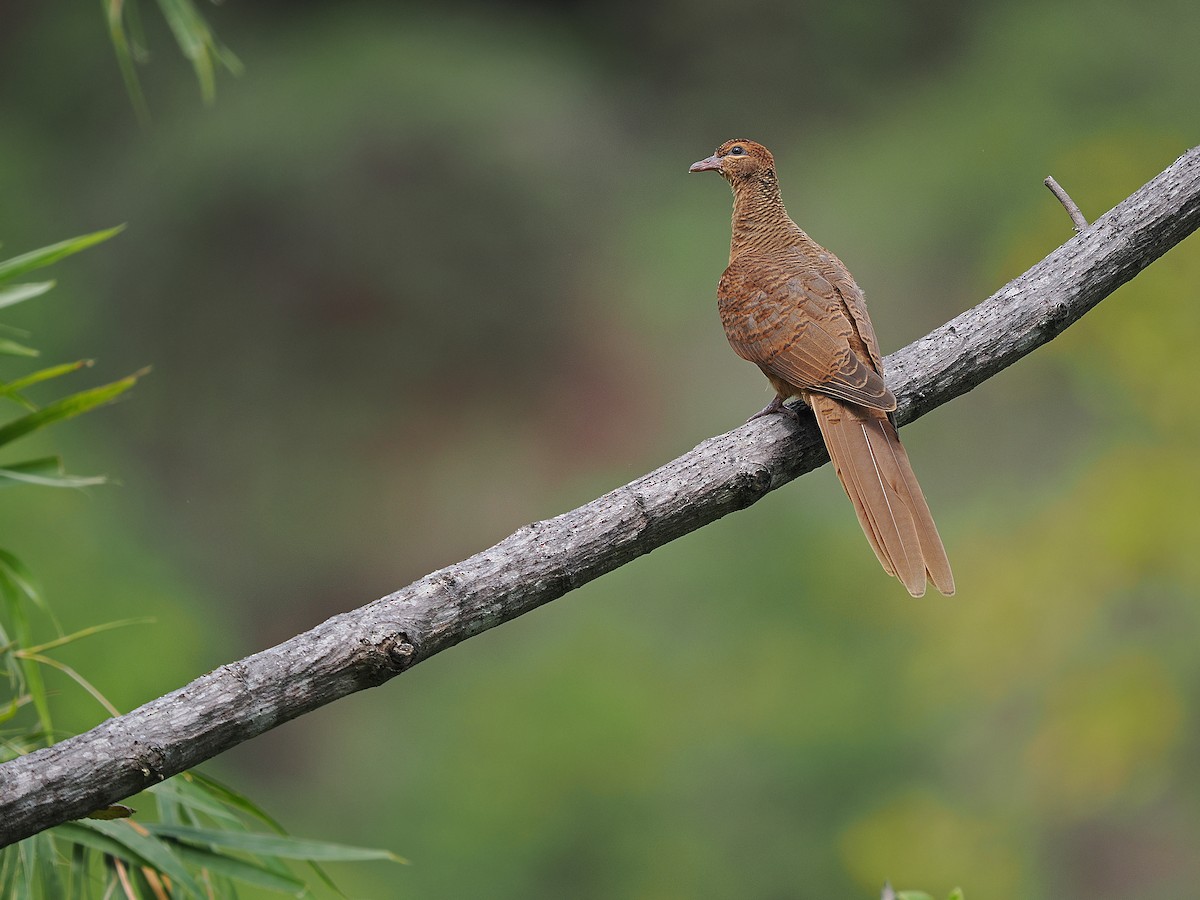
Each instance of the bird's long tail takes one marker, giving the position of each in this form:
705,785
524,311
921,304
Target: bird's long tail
876,474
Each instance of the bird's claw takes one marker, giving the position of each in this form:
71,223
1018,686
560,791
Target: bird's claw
776,407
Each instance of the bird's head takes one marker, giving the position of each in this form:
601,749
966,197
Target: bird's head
739,161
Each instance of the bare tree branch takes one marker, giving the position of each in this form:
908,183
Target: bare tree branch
543,561
1069,205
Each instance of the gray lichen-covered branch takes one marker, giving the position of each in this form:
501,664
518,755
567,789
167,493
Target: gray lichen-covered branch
541,562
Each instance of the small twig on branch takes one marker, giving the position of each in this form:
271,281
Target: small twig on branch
543,561
1068,204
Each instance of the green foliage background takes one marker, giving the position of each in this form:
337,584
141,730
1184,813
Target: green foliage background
422,276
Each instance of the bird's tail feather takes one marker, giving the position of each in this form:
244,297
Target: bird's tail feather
875,471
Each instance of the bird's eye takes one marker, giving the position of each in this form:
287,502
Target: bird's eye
737,150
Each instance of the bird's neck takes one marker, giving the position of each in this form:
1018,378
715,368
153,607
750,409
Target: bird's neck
760,222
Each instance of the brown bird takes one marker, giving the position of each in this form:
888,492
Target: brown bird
790,307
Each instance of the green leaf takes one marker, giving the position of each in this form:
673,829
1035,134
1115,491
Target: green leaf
19,384
21,577
66,408
14,294
8,710
78,834
230,797
179,791
42,865
37,690
193,35
17,398
12,388
35,259
206,786
44,467
12,348
198,43
27,656
87,632
273,845
150,850
956,894
79,871
47,472
16,588
240,870
116,13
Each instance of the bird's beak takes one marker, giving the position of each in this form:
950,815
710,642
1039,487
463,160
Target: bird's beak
712,164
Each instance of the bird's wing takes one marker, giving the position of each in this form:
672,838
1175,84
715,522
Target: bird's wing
799,329
855,305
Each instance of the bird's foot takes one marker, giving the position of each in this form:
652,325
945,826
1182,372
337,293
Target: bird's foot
776,407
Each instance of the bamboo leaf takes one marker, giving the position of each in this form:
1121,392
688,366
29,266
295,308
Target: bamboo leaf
203,794
66,408
198,43
42,864
9,477
115,10
127,885
19,384
150,851
273,845
37,691
17,398
86,632
77,834
46,472
35,259
14,294
12,388
82,835
16,587
21,579
240,870
179,791
227,795
70,673
28,671
8,710
79,871
12,348
44,467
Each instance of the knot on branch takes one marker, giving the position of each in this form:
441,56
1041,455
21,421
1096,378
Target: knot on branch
399,651
149,761
751,485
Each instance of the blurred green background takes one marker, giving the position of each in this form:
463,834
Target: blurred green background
422,275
